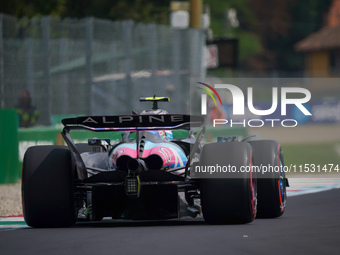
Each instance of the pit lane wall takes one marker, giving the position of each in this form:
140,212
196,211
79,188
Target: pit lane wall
15,141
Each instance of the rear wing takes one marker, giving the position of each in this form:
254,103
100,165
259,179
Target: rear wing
126,123
133,122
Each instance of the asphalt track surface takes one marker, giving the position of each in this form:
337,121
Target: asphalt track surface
311,225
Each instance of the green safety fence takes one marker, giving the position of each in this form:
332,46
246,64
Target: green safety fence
10,170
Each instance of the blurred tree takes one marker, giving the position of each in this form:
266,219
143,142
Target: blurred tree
11,7
249,41
281,24
267,31
20,8
308,16
138,10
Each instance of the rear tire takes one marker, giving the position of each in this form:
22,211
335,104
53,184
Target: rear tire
230,199
47,187
271,186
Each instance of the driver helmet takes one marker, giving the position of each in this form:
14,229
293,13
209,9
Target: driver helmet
160,134
155,112
164,135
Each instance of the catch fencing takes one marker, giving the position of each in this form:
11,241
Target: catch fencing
94,66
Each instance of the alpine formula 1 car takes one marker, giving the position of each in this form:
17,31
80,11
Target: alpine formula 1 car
158,169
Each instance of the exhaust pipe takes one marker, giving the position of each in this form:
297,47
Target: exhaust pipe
136,166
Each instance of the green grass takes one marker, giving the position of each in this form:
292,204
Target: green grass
316,153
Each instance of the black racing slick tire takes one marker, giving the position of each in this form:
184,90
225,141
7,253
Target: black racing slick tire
47,187
229,198
271,181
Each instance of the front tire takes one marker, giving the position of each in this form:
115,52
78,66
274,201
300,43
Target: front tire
231,198
47,187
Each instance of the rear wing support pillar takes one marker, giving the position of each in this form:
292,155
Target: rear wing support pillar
80,165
